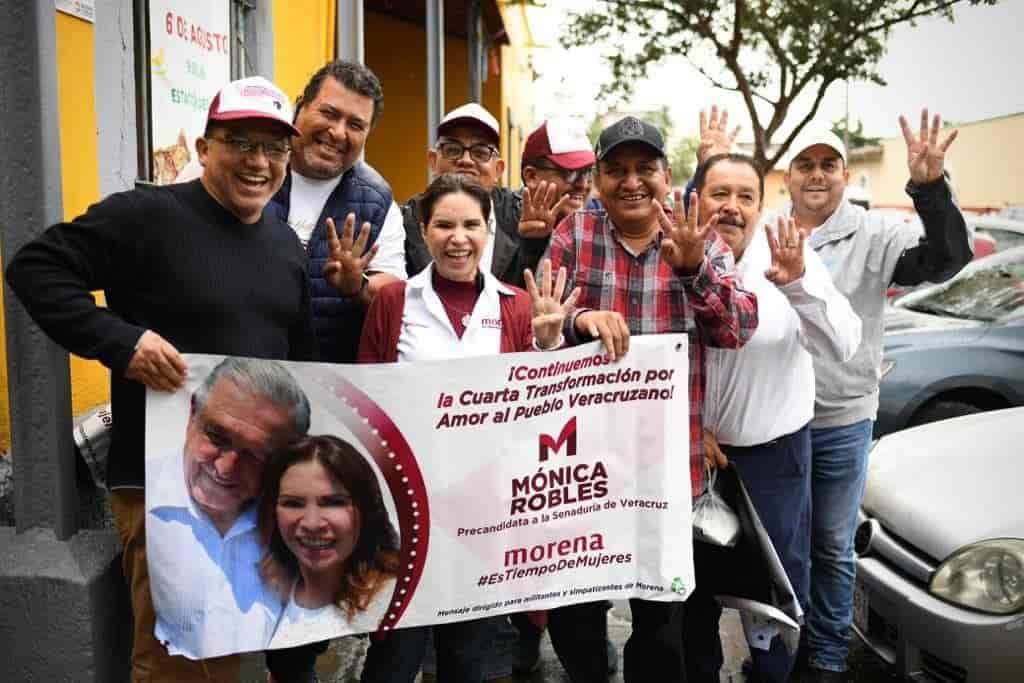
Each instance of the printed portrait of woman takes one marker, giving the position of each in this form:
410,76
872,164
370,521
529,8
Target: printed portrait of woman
332,551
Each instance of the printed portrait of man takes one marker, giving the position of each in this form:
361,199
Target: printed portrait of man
201,520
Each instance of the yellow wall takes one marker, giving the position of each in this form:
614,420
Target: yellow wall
303,41
76,101
516,86
986,162
397,53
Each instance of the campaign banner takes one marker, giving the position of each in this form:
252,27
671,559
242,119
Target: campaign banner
408,494
189,61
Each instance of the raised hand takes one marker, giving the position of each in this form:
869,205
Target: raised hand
540,209
549,310
683,244
714,138
347,259
926,156
787,252
156,363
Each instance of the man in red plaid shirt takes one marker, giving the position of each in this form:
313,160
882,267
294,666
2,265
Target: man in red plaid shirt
643,269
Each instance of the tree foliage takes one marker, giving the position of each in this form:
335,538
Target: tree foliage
769,51
682,157
856,135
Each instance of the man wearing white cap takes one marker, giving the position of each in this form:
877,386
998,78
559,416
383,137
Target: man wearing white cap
467,144
864,253
194,267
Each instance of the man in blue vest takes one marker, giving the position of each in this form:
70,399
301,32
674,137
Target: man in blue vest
329,190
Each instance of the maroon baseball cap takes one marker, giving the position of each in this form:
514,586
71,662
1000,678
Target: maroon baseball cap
562,142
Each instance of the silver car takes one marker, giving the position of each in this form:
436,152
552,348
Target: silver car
940,568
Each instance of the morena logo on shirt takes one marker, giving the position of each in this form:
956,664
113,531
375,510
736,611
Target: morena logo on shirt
491,323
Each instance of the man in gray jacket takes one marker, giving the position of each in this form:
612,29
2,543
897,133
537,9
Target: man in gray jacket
865,252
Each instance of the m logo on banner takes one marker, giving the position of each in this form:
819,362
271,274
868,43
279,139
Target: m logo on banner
567,436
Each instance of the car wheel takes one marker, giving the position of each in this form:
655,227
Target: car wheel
940,410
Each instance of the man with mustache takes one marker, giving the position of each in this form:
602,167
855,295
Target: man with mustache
195,267
644,271
328,191
760,398
865,252
201,515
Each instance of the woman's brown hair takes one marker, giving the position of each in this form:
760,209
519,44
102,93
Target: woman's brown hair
374,558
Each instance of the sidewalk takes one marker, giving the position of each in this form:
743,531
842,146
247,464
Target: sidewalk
343,661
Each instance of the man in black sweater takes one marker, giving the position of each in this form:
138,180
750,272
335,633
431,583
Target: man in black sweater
195,268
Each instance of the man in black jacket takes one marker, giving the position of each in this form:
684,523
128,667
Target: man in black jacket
467,143
189,268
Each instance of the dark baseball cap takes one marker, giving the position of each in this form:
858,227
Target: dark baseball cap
629,129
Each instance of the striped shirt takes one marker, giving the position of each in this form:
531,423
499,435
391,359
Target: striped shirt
709,306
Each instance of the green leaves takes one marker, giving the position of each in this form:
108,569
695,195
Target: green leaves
772,50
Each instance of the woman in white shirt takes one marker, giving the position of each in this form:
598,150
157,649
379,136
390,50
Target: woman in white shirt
332,549
454,309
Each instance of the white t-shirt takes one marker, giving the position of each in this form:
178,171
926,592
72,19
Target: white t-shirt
306,203
299,625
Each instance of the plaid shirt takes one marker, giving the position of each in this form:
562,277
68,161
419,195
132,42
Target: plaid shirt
709,306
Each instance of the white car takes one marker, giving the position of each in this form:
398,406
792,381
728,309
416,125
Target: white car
940,569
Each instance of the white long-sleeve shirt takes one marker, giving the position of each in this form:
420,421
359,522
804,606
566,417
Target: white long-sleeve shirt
765,390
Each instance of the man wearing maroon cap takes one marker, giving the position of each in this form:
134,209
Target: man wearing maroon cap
193,267
557,172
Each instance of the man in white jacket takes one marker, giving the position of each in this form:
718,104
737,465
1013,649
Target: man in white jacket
865,252
759,399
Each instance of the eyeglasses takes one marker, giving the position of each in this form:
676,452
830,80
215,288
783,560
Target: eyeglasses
276,151
568,176
453,151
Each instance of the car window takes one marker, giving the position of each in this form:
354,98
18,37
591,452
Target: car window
986,295
1004,239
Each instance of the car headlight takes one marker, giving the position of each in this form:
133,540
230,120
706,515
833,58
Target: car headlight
986,576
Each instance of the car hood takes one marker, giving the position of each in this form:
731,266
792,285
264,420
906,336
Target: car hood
904,320
943,485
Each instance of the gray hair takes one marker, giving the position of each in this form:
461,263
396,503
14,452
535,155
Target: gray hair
264,378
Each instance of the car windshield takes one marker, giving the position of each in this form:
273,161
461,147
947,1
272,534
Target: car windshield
1004,239
986,294
988,290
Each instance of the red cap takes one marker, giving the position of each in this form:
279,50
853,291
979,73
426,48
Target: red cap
561,141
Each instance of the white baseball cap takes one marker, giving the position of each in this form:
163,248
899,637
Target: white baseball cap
809,137
252,98
470,113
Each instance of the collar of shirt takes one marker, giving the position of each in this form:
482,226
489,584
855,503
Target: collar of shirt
420,283
422,287
602,221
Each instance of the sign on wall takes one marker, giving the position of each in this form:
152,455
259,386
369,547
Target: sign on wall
189,61
83,9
